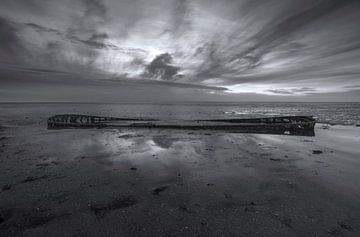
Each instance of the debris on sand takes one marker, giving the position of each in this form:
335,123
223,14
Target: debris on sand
158,190
133,168
275,159
117,203
317,152
5,187
345,226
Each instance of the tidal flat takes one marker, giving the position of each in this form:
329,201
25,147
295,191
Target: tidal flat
154,182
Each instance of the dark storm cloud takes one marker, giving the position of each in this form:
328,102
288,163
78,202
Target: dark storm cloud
161,68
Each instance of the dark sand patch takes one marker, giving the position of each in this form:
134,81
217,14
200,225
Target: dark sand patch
117,203
158,190
34,178
317,152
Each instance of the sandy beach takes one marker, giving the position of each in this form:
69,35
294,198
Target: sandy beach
152,182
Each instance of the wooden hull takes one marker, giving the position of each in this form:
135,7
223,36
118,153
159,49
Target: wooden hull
286,125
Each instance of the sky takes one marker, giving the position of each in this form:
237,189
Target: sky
179,50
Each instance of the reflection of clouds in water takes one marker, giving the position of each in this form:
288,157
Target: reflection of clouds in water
138,147
163,155
185,150
135,148
163,152
99,143
143,149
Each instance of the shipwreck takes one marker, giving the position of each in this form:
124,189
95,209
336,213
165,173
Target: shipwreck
285,125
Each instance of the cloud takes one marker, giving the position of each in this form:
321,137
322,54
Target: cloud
9,41
248,46
292,91
96,41
95,8
166,84
86,26
161,68
353,87
42,29
248,55
180,21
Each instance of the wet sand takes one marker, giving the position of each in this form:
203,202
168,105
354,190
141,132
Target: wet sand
110,182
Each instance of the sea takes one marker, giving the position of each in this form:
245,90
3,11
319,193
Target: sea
330,113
